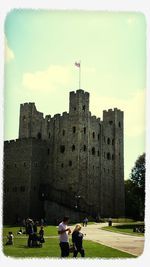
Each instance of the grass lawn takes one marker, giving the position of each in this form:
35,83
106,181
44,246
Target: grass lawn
124,228
50,230
51,249
51,246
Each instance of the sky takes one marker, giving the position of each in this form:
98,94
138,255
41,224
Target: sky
41,48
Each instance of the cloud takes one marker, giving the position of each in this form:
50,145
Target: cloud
9,54
134,111
48,79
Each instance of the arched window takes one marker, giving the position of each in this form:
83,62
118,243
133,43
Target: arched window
62,149
83,107
62,165
108,156
70,163
84,130
39,136
22,188
63,132
49,135
84,148
73,147
74,129
113,141
93,150
108,141
98,136
93,135
119,124
24,118
48,150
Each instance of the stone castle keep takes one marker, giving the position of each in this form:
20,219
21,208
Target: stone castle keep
67,164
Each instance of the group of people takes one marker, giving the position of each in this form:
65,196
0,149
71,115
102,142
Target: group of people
35,239
77,239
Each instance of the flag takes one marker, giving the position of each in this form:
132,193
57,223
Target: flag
77,64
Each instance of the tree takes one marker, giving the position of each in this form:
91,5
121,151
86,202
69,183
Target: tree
135,190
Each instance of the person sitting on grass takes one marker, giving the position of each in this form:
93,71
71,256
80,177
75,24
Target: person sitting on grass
77,238
10,238
19,232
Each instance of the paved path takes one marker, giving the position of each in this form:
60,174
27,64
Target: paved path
127,243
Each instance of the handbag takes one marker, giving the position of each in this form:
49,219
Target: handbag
71,248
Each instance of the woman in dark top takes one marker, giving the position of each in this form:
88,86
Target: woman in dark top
41,235
77,238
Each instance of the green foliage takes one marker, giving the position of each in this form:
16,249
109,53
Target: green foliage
135,190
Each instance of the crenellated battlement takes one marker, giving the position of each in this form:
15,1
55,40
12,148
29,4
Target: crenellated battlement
67,152
28,104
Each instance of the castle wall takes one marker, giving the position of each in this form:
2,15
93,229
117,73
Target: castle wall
73,160
17,179
23,159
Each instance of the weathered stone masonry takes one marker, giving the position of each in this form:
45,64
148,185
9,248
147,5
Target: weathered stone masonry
71,163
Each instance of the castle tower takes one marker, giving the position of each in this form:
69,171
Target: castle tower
79,103
79,118
78,162
30,121
112,163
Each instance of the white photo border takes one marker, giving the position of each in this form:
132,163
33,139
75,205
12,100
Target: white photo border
99,5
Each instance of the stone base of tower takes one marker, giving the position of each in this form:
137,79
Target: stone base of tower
54,213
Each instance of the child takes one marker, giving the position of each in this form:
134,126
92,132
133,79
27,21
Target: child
10,238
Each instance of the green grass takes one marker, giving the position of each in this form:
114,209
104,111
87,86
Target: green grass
50,230
51,249
124,228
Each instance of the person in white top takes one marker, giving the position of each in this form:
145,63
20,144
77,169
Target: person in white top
64,231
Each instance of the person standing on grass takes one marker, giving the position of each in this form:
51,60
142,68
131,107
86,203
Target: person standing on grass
77,238
64,231
30,232
41,235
